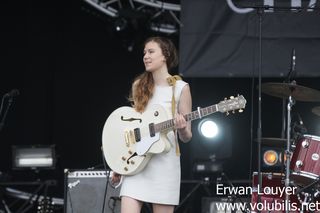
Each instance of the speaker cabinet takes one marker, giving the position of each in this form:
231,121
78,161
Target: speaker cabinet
85,191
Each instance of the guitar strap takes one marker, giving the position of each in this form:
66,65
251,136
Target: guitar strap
172,82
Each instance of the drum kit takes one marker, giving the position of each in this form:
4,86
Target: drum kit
302,169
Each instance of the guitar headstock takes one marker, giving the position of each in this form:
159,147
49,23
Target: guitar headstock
232,104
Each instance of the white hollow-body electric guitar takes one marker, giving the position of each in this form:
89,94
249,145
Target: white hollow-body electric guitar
130,138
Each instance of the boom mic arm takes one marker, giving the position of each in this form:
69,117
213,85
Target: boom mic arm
292,72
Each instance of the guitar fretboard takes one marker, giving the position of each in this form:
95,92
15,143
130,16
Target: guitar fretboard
197,114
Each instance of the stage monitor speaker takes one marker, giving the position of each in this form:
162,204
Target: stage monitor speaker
216,204
85,190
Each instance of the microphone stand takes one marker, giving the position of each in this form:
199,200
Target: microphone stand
290,74
259,130
260,10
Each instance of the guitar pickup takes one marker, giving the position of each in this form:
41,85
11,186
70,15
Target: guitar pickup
152,130
137,134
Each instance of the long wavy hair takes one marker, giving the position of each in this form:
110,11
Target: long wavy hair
143,84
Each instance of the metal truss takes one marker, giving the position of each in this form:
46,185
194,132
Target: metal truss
161,16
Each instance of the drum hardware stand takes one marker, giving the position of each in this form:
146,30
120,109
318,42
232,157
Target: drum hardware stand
308,197
291,102
311,187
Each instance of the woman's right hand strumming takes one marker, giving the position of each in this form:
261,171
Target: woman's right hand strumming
115,178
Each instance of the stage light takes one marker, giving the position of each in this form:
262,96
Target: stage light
273,159
270,157
208,128
33,157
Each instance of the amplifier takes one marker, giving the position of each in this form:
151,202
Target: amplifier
87,191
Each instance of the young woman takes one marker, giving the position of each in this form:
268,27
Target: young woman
159,182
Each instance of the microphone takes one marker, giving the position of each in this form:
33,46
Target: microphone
12,93
292,68
293,60
300,119
299,126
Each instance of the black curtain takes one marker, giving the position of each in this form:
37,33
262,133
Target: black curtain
221,38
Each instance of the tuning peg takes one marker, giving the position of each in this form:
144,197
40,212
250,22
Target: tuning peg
231,97
240,110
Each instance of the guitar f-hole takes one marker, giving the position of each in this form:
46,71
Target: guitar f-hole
131,119
134,154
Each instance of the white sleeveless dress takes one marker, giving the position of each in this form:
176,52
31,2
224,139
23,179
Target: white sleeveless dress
159,181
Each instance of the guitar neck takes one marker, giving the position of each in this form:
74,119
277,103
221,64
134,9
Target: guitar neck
197,114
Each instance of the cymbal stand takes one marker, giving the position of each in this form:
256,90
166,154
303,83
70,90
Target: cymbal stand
291,102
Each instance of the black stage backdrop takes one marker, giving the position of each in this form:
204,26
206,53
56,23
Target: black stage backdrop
221,38
72,72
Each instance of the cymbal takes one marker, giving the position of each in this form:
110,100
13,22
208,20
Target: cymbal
284,90
316,110
275,142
